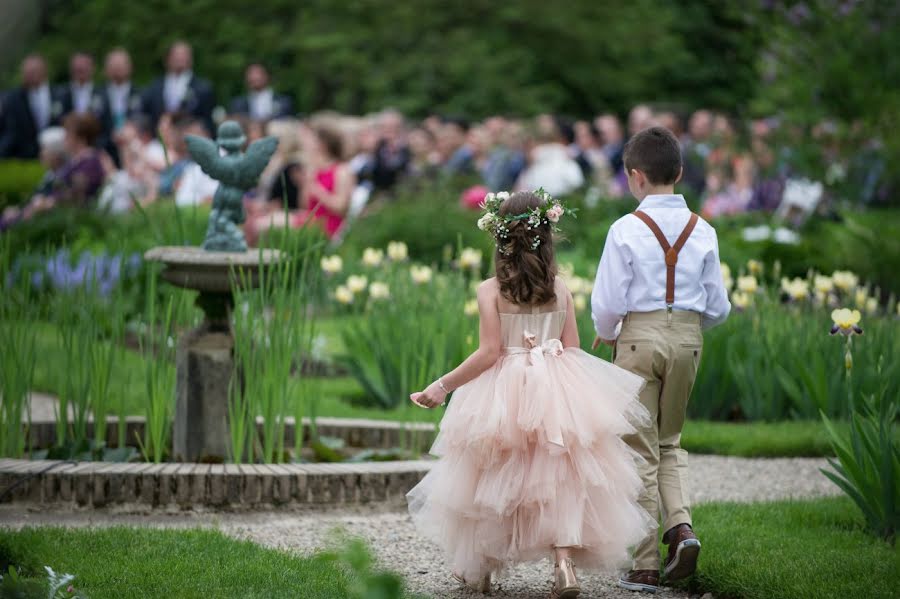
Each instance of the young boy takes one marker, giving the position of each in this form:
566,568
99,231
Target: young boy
659,277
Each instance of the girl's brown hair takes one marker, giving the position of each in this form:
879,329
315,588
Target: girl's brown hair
526,276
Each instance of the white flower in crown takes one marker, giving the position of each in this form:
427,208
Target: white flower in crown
378,290
357,283
486,221
397,251
555,212
502,195
488,198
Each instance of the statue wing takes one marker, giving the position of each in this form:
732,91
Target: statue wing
256,158
205,152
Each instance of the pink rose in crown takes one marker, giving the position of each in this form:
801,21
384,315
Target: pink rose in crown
554,213
473,197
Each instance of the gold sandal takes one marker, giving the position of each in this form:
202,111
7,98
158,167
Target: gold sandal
566,585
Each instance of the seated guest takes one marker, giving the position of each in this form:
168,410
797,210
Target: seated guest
120,100
612,140
730,197
172,129
326,188
279,184
425,160
53,158
261,103
138,177
78,181
506,160
392,155
193,186
179,90
598,173
452,143
28,110
550,166
79,94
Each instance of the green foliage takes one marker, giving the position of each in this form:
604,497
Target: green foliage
435,56
389,357
867,468
834,60
791,550
367,582
18,180
773,362
136,563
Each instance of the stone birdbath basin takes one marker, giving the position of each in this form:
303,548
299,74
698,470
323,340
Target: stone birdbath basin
204,356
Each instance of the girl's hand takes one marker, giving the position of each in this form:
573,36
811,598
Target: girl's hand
431,397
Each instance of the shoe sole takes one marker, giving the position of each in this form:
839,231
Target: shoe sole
685,562
637,587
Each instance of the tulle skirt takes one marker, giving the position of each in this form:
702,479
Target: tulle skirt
532,459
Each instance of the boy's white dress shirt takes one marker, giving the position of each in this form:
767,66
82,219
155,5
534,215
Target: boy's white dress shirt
632,272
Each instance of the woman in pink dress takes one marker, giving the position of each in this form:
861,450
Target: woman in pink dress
532,460
328,183
325,183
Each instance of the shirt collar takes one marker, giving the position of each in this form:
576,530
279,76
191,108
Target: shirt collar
663,200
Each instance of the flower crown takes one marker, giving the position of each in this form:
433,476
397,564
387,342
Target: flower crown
548,213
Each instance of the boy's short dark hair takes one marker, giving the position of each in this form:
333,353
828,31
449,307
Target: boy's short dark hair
656,153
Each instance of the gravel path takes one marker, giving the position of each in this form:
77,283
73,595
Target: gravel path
391,535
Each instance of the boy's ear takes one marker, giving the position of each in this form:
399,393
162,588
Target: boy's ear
638,177
680,173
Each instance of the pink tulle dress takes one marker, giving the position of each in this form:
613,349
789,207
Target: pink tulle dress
532,456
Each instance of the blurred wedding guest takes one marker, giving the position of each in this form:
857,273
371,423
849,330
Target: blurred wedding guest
550,165
612,139
640,117
28,110
425,160
80,94
452,143
733,193
327,186
392,155
280,181
599,173
77,182
52,142
363,137
172,129
506,160
180,90
670,121
261,103
193,186
695,148
137,179
120,100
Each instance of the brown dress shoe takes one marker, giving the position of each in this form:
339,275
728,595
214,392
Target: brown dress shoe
684,549
642,581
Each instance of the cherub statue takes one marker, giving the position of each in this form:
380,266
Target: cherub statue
236,172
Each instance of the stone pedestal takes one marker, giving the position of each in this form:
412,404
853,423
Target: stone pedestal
204,365
205,356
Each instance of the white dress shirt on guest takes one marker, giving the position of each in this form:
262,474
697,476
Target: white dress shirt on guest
41,106
553,170
195,187
118,94
175,88
81,96
262,104
632,272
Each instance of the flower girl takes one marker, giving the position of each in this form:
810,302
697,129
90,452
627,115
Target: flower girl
532,461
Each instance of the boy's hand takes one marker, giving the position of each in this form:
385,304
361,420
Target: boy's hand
598,341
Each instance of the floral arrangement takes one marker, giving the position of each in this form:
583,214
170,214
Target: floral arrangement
497,225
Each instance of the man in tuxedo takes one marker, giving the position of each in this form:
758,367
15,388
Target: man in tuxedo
28,110
261,103
180,90
120,99
80,94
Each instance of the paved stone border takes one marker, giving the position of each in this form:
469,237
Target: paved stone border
185,486
356,432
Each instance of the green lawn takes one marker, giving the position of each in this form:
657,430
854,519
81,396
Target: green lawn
792,550
758,439
123,563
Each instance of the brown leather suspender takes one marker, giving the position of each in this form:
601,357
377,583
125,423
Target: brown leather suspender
671,251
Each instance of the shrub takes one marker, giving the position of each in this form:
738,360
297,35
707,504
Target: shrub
18,180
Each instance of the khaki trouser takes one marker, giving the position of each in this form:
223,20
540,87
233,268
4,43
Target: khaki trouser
664,349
